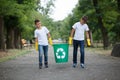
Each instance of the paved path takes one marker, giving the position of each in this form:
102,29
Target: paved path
98,67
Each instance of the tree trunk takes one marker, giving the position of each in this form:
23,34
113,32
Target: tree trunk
118,3
17,39
104,33
103,29
2,38
21,41
10,38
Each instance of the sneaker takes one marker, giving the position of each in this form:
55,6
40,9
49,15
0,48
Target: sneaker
74,65
82,66
40,67
46,66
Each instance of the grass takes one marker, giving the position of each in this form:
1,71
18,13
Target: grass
100,51
11,54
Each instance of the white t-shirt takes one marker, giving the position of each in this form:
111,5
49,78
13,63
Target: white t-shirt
79,30
41,34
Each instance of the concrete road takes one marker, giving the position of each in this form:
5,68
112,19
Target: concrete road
98,67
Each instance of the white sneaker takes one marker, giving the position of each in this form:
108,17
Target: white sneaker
74,65
82,65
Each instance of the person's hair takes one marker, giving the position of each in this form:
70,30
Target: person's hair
36,21
85,18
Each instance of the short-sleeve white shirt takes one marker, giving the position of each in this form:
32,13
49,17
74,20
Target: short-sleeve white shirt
41,34
79,30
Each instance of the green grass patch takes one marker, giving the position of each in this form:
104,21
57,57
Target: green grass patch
12,54
99,51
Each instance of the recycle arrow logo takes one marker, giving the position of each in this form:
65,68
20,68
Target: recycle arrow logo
60,54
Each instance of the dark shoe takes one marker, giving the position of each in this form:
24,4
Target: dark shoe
46,66
40,67
74,65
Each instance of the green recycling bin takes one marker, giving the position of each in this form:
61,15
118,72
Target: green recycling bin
61,52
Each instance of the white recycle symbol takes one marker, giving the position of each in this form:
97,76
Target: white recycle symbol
63,53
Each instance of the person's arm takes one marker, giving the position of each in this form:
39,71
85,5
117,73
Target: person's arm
36,40
36,44
88,38
87,35
72,32
48,35
49,39
71,36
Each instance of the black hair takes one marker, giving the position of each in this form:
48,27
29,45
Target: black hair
36,21
85,18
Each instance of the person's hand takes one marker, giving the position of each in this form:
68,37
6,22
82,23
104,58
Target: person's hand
70,40
36,46
50,41
88,42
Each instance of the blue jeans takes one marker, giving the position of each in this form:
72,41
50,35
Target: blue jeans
77,43
43,50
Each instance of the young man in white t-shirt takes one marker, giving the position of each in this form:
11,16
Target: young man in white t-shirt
41,35
77,33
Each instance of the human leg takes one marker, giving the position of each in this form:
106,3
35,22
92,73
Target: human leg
45,48
82,53
75,48
40,50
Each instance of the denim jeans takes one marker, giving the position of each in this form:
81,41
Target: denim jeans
43,50
77,43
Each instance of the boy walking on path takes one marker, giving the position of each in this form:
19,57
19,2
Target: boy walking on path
77,33
42,35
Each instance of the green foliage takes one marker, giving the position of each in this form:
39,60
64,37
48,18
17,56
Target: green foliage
112,38
6,7
109,14
26,11
46,9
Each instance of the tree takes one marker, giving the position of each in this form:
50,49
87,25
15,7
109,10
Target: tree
100,22
116,49
46,7
5,10
117,24
14,17
2,39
